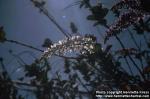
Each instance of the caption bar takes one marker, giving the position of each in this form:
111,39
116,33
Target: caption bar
122,94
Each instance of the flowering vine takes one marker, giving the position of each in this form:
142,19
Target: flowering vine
77,43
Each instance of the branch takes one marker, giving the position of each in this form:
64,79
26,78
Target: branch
25,45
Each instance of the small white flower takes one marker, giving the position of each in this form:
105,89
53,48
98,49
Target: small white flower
91,47
60,42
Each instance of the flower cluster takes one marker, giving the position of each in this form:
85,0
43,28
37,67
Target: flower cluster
124,20
72,44
128,4
136,10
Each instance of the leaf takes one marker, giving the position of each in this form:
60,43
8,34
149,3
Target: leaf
38,3
84,3
20,97
73,27
108,48
104,12
81,5
148,44
99,12
47,43
2,35
66,66
91,17
138,29
145,5
21,78
106,39
102,22
146,70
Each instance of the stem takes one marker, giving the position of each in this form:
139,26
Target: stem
98,70
131,58
31,47
55,23
83,84
50,17
144,36
129,66
25,45
133,39
5,70
3,66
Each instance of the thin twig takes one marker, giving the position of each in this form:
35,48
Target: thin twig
122,45
31,47
129,66
133,39
54,22
42,9
83,84
25,45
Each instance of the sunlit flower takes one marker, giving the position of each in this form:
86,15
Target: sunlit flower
69,45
